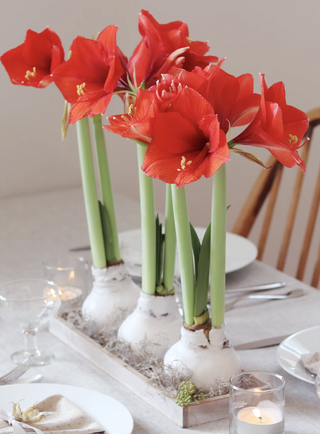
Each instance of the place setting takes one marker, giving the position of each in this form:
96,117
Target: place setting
53,408
58,408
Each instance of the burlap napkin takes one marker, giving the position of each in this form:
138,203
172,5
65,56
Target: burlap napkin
311,362
59,416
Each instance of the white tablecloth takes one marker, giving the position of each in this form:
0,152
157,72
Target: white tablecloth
33,228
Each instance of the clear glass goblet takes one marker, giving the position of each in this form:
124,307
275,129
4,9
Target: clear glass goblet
29,303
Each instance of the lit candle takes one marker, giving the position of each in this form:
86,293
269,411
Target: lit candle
260,420
70,297
69,293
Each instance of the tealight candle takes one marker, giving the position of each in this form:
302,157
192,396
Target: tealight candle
70,274
69,293
70,297
256,404
259,420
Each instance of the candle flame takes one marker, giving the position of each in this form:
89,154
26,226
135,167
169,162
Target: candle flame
256,412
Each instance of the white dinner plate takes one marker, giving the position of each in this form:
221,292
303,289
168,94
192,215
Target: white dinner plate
109,413
291,349
240,251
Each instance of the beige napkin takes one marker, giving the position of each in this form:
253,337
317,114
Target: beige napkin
60,416
311,362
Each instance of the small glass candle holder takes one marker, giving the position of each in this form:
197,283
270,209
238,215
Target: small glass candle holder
256,404
71,275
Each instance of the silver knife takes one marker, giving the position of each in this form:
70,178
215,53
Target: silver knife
263,343
263,287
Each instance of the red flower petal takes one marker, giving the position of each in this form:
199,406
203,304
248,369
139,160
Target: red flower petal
187,142
89,77
277,126
31,63
165,48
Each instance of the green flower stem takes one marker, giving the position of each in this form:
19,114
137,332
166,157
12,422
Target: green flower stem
105,183
185,251
90,194
218,246
148,227
169,243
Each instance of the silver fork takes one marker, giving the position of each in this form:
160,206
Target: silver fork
291,294
16,372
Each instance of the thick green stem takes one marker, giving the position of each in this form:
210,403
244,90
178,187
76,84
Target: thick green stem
185,251
148,227
105,184
218,246
90,194
169,243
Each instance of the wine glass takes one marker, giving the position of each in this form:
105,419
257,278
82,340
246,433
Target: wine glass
30,303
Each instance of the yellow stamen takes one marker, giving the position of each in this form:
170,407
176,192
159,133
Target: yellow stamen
183,160
189,40
31,74
80,89
293,139
132,110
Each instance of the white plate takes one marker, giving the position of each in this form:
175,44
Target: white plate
291,349
240,251
109,413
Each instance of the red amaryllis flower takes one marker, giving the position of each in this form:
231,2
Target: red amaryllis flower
137,123
165,48
88,78
187,141
277,126
33,62
231,98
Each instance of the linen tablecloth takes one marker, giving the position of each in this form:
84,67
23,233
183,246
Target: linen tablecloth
36,227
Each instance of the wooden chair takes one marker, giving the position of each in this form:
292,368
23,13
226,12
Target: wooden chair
267,187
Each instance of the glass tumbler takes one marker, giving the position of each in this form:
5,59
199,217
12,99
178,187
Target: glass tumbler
256,403
71,275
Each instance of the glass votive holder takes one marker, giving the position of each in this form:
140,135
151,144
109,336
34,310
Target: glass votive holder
71,275
256,403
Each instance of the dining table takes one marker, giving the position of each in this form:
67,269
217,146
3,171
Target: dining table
37,227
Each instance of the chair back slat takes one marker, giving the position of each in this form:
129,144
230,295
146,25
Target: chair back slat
309,230
292,211
255,199
267,187
270,209
316,271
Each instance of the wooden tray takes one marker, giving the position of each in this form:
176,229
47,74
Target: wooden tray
209,410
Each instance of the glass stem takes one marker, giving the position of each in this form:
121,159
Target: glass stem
30,340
